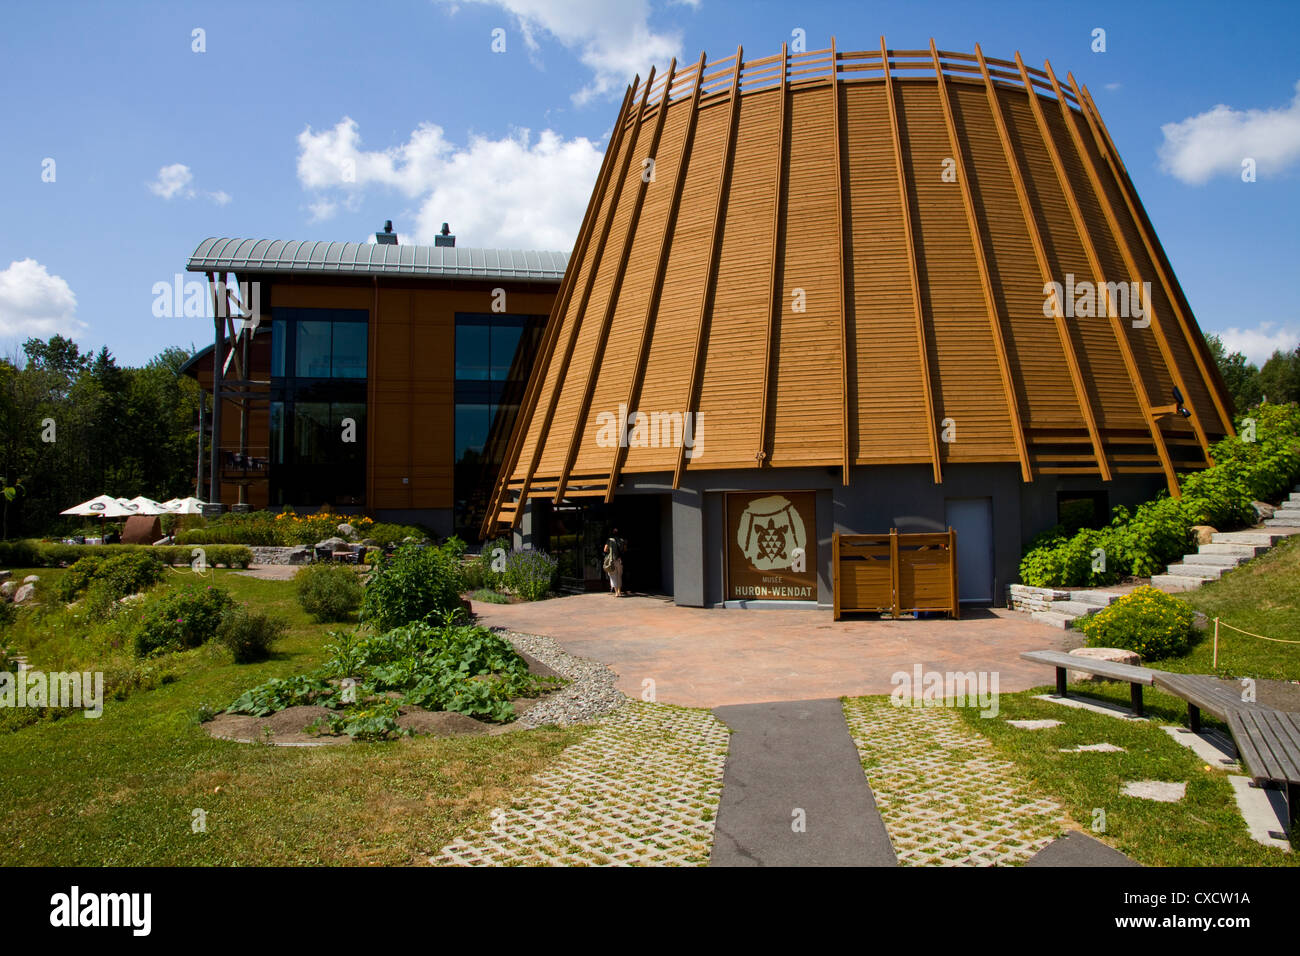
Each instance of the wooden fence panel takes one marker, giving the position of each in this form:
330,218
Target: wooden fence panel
895,573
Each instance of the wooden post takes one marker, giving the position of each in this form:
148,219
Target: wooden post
893,574
845,436
952,573
774,303
835,575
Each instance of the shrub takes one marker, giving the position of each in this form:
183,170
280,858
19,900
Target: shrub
1148,621
385,534
328,592
78,577
530,573
37,554
127,573
414,583
488,596
177,619
249,634
490,563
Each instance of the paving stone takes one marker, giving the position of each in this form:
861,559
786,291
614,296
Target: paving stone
947,797
1159,790
1034,724
642,789
1101,748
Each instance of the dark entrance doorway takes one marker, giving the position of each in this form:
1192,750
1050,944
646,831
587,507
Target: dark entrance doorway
576,532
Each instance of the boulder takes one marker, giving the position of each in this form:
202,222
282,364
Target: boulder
7,590
346,530
301,555
24,592
1263,510
1116,655
31,579
334,544
369,542
6,575
1204,533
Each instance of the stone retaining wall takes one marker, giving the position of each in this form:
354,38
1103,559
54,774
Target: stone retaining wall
1022,597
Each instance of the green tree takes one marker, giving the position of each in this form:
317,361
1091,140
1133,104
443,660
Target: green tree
1241,377
1279,379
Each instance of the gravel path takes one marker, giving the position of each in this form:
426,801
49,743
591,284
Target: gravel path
592,693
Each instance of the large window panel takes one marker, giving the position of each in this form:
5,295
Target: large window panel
313,351
349,350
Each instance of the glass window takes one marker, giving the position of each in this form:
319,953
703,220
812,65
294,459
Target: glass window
505,339
277,433
279,329
472,425
311,432
353,451
349,350
313,352
473,351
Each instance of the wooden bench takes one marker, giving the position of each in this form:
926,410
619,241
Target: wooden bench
1137,677
1268,741
1204,692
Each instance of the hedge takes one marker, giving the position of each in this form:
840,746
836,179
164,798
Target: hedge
28,553
1160,531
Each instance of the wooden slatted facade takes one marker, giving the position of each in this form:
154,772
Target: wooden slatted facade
842,262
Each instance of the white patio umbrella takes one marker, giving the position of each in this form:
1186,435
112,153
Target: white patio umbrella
102,506
184,506
146,506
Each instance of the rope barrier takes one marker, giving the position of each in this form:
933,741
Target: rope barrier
1217,622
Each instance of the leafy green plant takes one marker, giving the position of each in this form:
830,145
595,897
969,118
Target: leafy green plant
78,577
1147,621
488,596
328,592
250,634
372,720
173,620
530,573
278,693
412,584
385,534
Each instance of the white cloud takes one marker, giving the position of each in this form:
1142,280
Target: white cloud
520,191
177,179
35,303
1259,344
1114,87
613,40
1215,142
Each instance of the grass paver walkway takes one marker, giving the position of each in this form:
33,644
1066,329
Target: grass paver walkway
947,797
641,789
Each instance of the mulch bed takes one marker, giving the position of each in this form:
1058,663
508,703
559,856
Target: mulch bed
288,727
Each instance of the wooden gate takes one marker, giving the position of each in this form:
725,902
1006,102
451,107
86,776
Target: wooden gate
895,573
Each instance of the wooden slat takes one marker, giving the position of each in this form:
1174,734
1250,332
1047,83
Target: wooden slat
923,350
611,303
656,288
715,245
537,379
575,266
774,303
1134,204
1094,263
1127,255
839,260
986,282
1045,269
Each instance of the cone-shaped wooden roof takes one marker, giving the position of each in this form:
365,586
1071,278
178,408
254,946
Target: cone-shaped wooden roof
843,259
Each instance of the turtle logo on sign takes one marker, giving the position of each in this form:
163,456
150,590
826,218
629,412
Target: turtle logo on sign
770,532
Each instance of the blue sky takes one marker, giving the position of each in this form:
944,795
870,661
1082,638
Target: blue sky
321,120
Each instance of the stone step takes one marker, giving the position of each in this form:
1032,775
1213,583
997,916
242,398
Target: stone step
1055,619
1204,571
1175,582
1075,608
1266,538
1099,598
1287,511
1216,560
1281,520
1245,550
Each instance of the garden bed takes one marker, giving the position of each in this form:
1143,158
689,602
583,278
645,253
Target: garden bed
297,726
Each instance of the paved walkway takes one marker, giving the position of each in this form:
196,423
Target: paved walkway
794,793
713,657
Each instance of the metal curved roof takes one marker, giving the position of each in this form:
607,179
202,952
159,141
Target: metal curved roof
361,258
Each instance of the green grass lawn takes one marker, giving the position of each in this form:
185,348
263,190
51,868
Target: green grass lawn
1262,596
1203,829
121,789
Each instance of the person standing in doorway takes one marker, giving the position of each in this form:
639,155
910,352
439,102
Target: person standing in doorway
615,548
